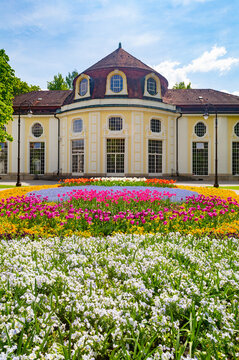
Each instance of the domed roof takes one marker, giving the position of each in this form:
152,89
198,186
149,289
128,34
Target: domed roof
120,58
134,70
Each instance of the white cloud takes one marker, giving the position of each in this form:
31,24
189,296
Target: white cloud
208,61
229,92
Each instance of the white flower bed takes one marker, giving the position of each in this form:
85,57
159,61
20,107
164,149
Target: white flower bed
123,179
121,297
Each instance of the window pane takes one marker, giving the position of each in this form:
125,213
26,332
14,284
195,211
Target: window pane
200,129
155,148
236,129
235,158
77,147
115,155
155,125
77,125
116,83
37,130
151,86
200,158
37,158
115,123
3,158
83,87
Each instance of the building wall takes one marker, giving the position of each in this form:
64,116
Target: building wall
136,132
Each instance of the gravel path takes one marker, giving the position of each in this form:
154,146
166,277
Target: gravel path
52,193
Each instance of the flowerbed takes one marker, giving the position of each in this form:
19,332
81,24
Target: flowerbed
92,213
122,297
113,181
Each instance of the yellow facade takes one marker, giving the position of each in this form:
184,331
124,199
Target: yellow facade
121,119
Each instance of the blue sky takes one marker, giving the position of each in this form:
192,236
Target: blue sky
184,40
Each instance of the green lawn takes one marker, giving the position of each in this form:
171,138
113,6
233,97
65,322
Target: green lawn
7,186
230,187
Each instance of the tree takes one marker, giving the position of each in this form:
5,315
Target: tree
7,78
70,77
58,83
181,85
21,87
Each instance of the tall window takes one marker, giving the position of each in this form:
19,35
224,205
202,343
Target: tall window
83,87
77,125
116,83
235,158
155,125
77,152
151,86
115,123
155,150
37,157
115,155
200,158
3,158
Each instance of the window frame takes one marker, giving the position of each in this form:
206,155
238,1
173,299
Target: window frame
234,129
108,90
44,158
87,85
192,154
73,122
112,83
5,153
147,94
155,155
114,154
115,117
160,125
79,153
194,129
34,124
149,90
235,173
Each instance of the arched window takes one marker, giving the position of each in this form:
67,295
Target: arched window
77,126
236,129
116,83
151,86
200,129
115,123
155,125
83,87
37,130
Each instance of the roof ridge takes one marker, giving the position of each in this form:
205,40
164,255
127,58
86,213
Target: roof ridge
112,60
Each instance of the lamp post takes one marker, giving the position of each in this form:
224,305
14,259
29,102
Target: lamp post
206,115
18,183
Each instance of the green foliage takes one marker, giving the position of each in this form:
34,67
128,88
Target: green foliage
6,94
21,87
58,83
70,77
182,85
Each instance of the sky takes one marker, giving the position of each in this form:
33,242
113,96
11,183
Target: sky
184,40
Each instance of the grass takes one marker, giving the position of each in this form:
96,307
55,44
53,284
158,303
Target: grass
230,187
7,186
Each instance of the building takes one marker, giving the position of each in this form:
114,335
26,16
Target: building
122,120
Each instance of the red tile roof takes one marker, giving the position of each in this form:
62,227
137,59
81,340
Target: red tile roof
182,97
41,98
